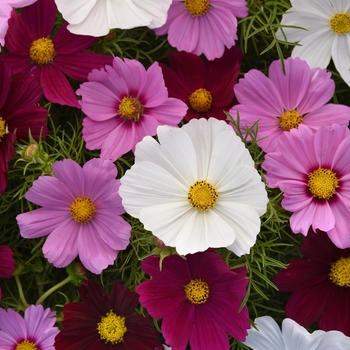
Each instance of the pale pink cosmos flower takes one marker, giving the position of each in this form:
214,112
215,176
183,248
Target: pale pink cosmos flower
283,101
313,171
6,7
80,213
35,331
203,26
123,104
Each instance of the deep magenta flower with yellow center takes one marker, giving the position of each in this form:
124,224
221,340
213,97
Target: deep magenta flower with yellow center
35,331
198,298
102,322
80,212
313,171
284,100
18,114
205,86
32,48
320,284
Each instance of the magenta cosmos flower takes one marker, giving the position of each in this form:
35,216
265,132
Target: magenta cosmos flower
33,332
205,86
7,263
212,25
282,102
198,299
102,322
18,114
6,7
320,284
123,104
313,170
31,49
80,212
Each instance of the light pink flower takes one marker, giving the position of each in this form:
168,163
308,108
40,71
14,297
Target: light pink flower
313,170
123,104
35,331
204,26
80,212
284,101
6,7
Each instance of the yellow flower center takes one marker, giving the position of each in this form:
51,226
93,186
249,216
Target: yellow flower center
340,272
3,129
202,195
82,210
130,109
112,328
201,100
322,183
290,120
197,7
42,51
26,345
340,23
197,291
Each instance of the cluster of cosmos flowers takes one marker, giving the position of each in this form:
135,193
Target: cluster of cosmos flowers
188,130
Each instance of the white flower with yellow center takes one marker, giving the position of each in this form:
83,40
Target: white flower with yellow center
324,33
197,188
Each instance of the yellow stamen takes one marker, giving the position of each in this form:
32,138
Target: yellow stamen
197,8
130,109
201,100
290,120
112,328
82,210
197,291
202,195
3,129
26,345
323,183
42,51
340,272
340,23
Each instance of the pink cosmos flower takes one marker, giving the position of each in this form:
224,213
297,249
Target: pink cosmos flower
205,86
6,7
18,114
31,49
7,263
80,212
34,331
313,170
123,104
204,26
198,299
282,102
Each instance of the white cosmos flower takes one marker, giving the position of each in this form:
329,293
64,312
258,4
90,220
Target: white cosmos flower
197,188
293,337
327,33
97,17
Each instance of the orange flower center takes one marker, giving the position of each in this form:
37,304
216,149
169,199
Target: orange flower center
42,50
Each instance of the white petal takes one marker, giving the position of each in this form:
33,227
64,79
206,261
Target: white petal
146,184
267,337
75,11
316,49
341,56
157,10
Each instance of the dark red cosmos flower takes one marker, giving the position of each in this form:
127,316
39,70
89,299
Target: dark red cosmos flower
7,263
31,49
320,283
102,322
205,86
198,299
18,114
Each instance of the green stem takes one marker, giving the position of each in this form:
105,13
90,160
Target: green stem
20,291
52,289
